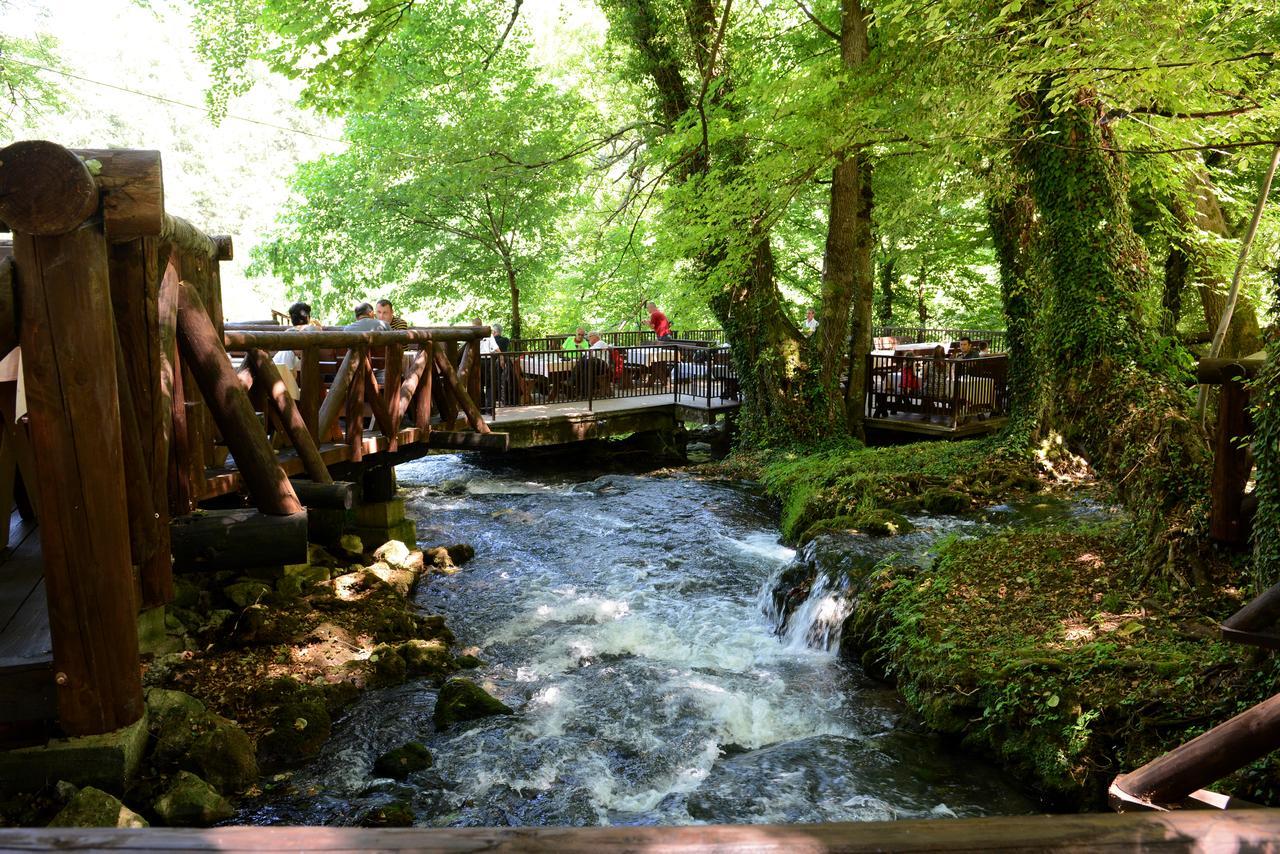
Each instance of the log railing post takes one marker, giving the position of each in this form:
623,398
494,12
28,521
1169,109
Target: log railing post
67,336
1231,465
311,388
355,404
266,375
202,349
336,400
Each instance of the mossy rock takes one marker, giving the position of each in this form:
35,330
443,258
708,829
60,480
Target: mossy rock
944,501
191,738
909,506
191,802
468,662
338,695
300,726
432,627
463,700
882,523
260,625
247,592
426,658
92,807
403,761
389,667
833,525
162,702
395,814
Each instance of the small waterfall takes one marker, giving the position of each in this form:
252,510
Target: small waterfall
817,623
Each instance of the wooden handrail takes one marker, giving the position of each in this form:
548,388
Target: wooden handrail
265,339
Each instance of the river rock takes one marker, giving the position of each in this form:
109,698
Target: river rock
401,580
162,702
92,807
389,667
432,626
393,553
460,553
939,500
194,739
191,802
463,700
440,560
394,814
426,658
247,592
352,545
468,662
403,761
300,726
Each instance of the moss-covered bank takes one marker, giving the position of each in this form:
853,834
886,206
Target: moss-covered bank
1040,648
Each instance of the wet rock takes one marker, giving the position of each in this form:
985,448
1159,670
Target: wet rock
460,553
394,814
191,802
426,658
468,662
882,523
395,626
433,627
463,700
162,702
195,739
944,501
246,593
403,761
308,574
401,580
300,726
92,807
289,587
440,560
352,545
393,553
389,667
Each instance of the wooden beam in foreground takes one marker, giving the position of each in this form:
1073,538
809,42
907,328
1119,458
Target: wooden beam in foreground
1242,830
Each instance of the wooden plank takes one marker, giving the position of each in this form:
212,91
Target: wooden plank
8,474
225,539
8,310
26,641
404,394
459,394
67,334
355,406
311,390
336,400
143,538
373,395
279,339
20,574
468,441
202,350
1183,831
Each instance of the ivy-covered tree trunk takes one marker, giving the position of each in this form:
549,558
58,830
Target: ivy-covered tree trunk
1011,215
1122,411
1213,278
1265,394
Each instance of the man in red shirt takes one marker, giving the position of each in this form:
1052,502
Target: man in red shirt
658,321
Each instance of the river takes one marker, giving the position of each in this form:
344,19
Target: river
625,618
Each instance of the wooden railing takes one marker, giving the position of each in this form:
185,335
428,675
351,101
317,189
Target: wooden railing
695,371
553,343
949,391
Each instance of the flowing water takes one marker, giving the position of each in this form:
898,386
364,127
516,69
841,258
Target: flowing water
626,620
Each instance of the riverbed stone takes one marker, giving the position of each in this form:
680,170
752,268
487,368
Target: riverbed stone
403,761
463,700
406,531
300,726
389,667
208,744
92,807
426,658
401,580
393,553
460,553
162,702
308,574
394,814
191,802
468,662
940,500
351,545
440,560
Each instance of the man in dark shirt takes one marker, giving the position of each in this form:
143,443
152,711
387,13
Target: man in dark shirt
967,350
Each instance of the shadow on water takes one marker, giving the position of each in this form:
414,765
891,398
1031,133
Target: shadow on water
620,615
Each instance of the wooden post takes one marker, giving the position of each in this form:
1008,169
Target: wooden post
408,387
45,190
201,348
355,405
468,406
1231,465
67,336
265,373
379,406
311,390
182,499
422,403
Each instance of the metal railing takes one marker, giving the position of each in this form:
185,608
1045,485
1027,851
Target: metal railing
937,389
554,343
696,371
994,339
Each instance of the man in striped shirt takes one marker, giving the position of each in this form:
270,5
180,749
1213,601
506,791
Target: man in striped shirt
387,314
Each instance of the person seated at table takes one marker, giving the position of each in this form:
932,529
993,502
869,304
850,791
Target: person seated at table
967,350
658,322
612,355
387,314
577,342
365,320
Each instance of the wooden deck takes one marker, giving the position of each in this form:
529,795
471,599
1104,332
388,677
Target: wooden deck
920,424
1185,831
26,651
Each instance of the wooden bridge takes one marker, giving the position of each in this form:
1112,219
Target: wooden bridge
129,404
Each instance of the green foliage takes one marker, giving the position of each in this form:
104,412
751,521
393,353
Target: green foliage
29,93
1265,397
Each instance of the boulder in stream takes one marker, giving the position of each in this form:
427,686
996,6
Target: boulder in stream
463,700
92,807
403,761
191,802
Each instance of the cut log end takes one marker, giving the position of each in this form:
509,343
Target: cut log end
45,189
226,250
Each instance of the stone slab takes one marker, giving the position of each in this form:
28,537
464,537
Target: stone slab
106,761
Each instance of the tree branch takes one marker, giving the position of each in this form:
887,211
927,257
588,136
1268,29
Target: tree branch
816,22
515,13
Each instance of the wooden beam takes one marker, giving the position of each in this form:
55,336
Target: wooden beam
459,394
45,190
8,309
266,373
330,495
407,389
143,538
67,334
355,406
373,396
234,539
202,350
311,389
132,185
1207,758
336,400
1214,371
459,440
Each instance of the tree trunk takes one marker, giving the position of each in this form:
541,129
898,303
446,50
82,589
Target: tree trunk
515,295
1243,335
1127,417
1176,267
888,273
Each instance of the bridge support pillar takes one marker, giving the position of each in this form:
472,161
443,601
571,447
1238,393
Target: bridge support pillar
378,484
